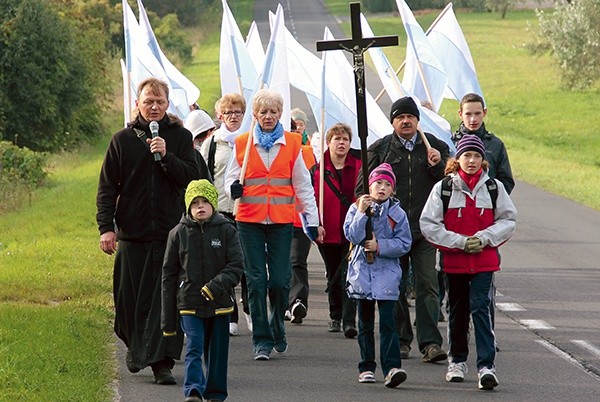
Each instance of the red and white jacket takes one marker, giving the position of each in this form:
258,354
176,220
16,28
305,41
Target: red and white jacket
470,213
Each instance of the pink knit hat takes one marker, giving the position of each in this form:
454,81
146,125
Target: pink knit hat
383,172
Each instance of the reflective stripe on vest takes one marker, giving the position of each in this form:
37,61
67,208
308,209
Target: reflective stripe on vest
268,193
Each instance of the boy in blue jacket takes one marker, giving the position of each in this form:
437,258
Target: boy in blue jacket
379,281
203,263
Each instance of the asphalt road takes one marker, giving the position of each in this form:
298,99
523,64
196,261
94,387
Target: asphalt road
547,324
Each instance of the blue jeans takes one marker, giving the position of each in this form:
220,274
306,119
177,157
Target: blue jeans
471,294
208,338
267,249
389,346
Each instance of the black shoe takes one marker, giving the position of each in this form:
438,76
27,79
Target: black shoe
404,351
163,376
129,362
334,326
298,312
350,331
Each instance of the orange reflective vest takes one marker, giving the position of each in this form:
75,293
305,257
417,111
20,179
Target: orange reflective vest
309,160
268,192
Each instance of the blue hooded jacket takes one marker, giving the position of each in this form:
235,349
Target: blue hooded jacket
381,279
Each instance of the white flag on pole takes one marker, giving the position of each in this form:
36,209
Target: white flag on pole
274,75
430,122
450,45
237,71
254,47
424,75
183,92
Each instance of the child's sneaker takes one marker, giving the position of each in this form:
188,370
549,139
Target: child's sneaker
487,379
395,377
456,372
366,377
233,329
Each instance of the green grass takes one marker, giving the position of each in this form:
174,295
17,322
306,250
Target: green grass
550,133
56,341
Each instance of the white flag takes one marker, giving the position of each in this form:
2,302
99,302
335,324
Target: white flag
424,75
451,47
237,71
183,92
430,121
274,75
254,47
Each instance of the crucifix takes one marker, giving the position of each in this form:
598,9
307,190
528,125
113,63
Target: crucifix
357,46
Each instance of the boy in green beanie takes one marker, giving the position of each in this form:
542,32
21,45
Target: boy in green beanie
203,263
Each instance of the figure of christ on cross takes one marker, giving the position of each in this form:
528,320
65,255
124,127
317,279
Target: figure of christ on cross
357,45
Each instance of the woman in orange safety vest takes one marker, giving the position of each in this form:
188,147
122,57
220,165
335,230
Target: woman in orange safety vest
275,177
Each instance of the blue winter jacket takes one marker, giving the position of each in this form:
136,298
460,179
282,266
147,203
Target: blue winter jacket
381,279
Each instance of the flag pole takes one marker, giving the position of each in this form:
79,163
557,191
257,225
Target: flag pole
322,165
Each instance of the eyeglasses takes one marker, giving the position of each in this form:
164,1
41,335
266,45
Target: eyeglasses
236,113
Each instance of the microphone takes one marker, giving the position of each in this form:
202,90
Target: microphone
154,131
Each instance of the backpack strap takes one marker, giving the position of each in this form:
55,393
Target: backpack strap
212,149
446,192
491,185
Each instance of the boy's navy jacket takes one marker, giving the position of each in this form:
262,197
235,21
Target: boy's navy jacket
381,279
197,255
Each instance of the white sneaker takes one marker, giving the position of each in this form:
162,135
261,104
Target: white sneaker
395,377
233,329
487,379
248,321
456,372
366,377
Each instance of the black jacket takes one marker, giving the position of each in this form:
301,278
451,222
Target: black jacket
495,154
142,197
197,255
414,177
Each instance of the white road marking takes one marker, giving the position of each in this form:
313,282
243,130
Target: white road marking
510,307
587,346
566,357
536,324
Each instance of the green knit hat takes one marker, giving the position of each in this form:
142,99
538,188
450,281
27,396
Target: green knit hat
201,188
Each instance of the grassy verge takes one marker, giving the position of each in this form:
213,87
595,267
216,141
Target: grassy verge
550,133
56,341
56,309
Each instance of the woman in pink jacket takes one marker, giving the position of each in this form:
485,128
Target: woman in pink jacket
478,218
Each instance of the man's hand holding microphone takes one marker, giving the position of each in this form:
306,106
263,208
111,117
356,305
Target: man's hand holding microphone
158,146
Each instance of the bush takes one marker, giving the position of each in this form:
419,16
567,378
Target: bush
572,34
21,170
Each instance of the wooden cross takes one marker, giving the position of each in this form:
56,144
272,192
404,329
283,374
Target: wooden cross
357,45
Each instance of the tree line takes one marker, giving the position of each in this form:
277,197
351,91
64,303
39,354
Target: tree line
59,66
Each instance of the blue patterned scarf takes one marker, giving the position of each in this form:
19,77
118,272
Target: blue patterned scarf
266,140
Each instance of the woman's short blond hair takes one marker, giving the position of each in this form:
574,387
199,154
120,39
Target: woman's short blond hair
266,98
228,101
